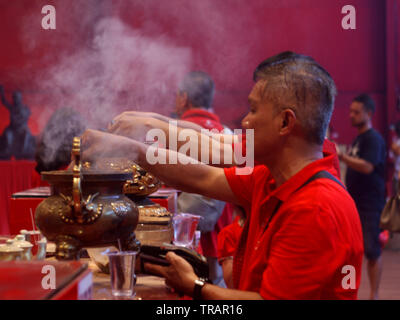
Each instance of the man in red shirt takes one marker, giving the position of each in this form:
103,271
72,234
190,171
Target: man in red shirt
302,238
229,236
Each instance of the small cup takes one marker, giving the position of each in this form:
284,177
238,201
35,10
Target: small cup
10,252
185,225
196,240
122,272
26,246
42,249
33,237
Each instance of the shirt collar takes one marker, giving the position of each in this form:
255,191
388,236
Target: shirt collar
195,112
284,191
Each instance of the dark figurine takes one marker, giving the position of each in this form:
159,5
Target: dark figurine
17,140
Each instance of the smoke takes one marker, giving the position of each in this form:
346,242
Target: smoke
216,30
120,69
55,141
119,64
132,55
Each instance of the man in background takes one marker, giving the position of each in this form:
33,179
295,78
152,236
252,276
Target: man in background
194,104
365,182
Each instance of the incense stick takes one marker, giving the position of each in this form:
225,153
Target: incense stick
33,225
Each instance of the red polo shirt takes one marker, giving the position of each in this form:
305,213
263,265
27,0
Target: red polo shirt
315,233
228,239
327,147
203,118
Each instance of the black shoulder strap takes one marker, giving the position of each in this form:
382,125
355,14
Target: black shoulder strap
318,175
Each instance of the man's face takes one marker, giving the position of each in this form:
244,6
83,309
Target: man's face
264,121
358,115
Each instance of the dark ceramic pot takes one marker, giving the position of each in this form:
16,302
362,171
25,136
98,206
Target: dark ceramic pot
87,209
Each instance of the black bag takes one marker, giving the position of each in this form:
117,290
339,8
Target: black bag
210,210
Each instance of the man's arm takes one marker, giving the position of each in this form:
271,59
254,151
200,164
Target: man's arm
181,123
371,153
227,269
357,164
395,148
181,276
204,146
175,169
194,177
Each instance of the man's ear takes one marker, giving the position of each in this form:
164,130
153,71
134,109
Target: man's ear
183,99
181,102
288,120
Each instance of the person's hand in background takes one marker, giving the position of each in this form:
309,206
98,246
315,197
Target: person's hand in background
98,144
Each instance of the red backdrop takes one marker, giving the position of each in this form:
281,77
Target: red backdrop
226,38
107,56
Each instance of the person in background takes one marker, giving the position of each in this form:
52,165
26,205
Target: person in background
53,151
228,241
365,182
194,104
395,150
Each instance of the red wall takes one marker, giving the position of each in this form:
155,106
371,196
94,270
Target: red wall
225,38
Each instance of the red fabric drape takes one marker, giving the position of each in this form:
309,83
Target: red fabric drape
15,176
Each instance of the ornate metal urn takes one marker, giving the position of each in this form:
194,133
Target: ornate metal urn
155,222
87,208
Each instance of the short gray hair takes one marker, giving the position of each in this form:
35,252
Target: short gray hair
299,83
199,88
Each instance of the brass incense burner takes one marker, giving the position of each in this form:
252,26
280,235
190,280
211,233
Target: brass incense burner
155,221
87,208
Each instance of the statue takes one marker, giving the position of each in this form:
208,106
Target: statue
17,140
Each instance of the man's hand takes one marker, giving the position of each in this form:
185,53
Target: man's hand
395,148
97,144
355,163
339,152
179,275
133,127
143,114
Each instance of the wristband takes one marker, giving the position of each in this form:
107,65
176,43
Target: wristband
198,285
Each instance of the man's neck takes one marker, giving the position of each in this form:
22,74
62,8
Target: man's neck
191,107
291,161
365,127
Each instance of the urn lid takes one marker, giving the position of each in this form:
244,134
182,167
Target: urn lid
10,247
140,183
92,176
43,240
20,241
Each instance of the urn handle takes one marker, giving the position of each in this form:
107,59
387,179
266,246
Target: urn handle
77,177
